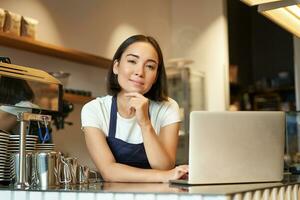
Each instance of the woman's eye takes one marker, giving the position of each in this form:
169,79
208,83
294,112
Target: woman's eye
152,67
132,61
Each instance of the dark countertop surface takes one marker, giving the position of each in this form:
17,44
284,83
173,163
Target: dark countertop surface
159,188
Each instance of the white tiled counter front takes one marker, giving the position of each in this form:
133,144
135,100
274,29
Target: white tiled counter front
288,190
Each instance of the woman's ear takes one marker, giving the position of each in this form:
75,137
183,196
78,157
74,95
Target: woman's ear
116,67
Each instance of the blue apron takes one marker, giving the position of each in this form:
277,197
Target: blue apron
125,153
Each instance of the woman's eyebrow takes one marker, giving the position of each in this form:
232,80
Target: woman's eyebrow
130,54
151,60
136,56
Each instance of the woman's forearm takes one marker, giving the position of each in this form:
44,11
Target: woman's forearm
117,172
157,155
111,170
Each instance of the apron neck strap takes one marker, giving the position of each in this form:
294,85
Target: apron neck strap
113,117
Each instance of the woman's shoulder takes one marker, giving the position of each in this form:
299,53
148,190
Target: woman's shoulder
171,101
98,102
165,112
167,103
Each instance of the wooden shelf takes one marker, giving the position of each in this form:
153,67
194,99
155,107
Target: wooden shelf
77,99
31,45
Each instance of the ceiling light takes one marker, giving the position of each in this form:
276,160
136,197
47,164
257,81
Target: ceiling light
284,13
256,2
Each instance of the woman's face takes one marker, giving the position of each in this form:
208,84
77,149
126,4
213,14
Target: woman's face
137,68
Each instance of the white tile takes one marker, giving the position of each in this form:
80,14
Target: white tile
19,195
104,196
51,196
67,195
123,196
86,196
35,195
190,197
167,197
215,197
6,195
144,197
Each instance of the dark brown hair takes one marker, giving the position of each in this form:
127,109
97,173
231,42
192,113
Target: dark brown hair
159,90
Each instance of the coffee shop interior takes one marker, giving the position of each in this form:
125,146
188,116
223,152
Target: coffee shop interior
261,71
220,55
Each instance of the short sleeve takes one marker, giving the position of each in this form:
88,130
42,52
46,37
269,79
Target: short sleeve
171,113
90,115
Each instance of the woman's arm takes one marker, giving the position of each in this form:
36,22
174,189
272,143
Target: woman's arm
112,171
161,149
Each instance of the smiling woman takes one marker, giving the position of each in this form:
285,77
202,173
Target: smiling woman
132,133
137,68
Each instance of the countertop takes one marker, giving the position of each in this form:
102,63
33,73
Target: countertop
106,190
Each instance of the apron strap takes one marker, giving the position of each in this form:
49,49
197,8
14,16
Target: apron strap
113,117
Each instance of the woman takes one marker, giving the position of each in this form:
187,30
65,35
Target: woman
132,133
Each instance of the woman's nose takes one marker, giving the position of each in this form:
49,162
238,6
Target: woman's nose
139,71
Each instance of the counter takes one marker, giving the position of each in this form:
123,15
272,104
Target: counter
287,189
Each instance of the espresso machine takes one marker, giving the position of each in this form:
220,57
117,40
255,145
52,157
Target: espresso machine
35,95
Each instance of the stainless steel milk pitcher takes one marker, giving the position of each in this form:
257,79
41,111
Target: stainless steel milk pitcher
27,170
44,174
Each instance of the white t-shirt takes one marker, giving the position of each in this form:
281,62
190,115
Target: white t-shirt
96,113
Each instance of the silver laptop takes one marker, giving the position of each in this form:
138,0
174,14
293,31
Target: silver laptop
235,147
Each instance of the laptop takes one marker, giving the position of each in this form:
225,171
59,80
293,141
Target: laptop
235,147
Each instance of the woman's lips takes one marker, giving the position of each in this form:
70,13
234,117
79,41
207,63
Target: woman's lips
136,82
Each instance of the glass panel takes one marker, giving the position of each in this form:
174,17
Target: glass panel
22,93
292,132
292,154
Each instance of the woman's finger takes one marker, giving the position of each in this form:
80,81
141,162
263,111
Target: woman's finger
133,94
180,174
184,167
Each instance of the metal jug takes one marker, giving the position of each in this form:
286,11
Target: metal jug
83,174
63,171
57,168
73,166
28,168
44,169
